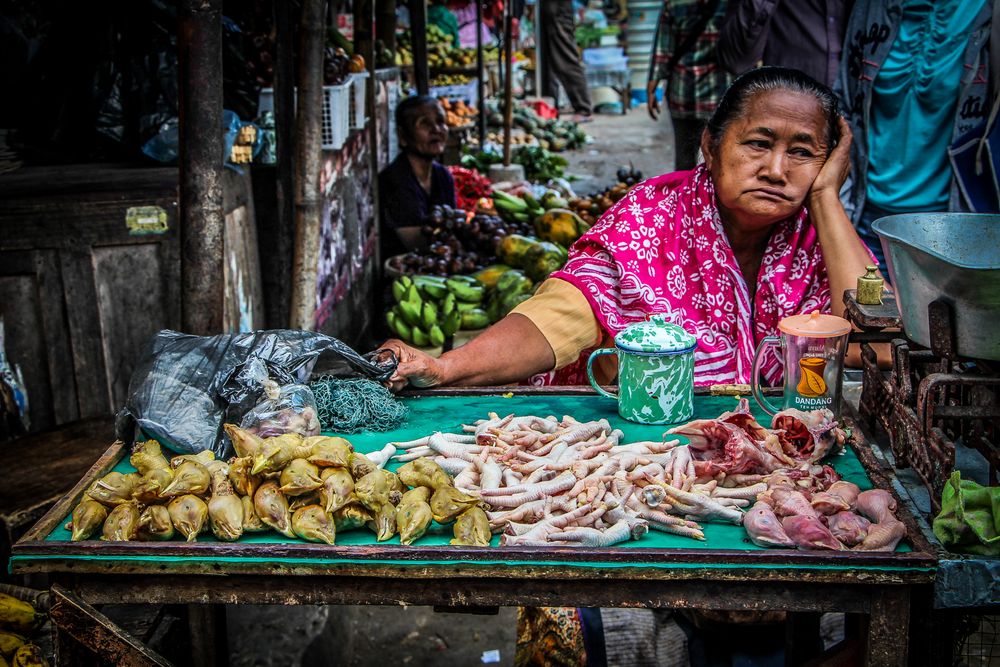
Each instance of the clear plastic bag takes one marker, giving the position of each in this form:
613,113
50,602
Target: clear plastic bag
289,408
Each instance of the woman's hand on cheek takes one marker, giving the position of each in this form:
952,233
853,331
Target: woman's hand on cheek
415,367
834,172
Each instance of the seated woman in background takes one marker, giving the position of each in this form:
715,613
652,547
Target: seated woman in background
414,182
753,235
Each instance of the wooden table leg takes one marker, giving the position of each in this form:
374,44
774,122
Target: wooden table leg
888,627
207,626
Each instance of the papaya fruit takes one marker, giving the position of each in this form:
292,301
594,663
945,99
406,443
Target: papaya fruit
514,281
559,225
489,276
514,248
543,259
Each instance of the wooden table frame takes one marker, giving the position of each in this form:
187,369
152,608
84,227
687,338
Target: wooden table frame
464,580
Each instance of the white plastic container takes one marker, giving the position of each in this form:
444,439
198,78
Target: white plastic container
336,122
358,112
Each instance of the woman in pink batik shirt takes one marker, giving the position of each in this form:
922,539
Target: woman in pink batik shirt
754,234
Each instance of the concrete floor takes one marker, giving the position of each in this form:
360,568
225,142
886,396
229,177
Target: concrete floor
359,636
620,140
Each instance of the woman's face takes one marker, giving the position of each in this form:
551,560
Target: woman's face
768,158
430,131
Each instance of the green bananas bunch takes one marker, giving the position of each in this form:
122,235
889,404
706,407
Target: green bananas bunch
519,209
430,309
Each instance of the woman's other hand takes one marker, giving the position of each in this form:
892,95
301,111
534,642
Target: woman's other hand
834,172
415,367
652,104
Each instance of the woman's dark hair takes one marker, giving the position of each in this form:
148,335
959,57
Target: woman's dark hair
766,79
407,113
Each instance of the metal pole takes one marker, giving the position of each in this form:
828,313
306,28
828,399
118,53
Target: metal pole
199,54
508,83
284,121
481,74
305,263
418,32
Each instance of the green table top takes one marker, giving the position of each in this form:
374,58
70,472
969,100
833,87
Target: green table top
447,413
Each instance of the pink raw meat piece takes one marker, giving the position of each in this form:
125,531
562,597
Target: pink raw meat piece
808,436
718,446
742,418
883,536
877,505
808,532
763,527
841,496
848,527
788,502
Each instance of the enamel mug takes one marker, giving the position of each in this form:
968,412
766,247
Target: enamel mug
655,372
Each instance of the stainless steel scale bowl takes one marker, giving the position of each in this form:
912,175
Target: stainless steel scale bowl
954,257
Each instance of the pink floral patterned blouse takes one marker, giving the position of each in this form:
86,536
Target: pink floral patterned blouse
662,249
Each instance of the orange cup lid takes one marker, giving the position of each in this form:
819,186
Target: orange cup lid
815,325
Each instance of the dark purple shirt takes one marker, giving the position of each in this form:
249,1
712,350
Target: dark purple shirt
805,34
404,203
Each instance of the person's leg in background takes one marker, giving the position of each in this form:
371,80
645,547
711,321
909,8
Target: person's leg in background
687,142
561,53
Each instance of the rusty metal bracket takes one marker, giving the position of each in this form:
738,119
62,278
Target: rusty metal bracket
96,632
942,329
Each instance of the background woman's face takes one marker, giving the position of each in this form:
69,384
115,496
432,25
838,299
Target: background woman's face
768,158
430,131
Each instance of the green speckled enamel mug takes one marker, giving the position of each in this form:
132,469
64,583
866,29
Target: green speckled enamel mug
655,372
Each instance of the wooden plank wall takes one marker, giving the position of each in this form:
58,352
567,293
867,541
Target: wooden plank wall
79,294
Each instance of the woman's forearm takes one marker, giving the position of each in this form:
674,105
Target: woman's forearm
844,253
509,351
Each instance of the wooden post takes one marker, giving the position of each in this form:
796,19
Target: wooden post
481,76
385,23
279,312
364,34
372,16
308,208
199,55
508,83
418,33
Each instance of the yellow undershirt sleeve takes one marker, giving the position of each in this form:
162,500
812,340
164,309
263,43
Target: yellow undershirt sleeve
563,315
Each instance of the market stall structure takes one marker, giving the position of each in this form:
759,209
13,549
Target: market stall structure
725,571
330,195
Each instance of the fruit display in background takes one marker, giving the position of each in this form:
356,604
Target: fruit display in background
458,113
560,225
511,288
535,257
336,66
458,244
549,133
441,53
592,207
450,80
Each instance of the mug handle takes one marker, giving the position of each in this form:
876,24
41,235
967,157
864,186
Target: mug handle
766,405
590,371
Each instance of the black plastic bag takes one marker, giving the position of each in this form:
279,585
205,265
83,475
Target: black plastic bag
185,387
